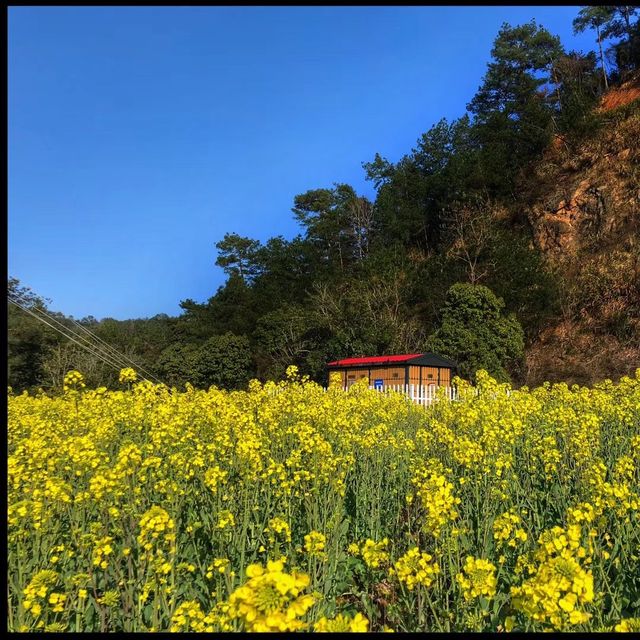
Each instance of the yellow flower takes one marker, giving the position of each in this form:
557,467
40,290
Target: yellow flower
478,578
342,624
375,553
314,543
148,478
415,568
73,380
225,520
278,528
628,625
127,375
271,599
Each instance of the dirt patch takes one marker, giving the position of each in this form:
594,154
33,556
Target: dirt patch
620,96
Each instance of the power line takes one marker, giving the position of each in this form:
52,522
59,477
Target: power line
70,330
110,356
117,355
111,351
84,346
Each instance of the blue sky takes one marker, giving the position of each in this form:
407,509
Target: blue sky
138,136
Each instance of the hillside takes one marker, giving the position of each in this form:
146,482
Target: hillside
505,240
587,225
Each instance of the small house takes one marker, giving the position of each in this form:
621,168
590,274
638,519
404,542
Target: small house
420,369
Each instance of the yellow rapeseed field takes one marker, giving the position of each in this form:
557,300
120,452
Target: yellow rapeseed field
287,507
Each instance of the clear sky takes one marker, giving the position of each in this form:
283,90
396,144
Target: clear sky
138,136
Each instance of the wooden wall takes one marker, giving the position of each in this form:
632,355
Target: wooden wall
393,376
389,375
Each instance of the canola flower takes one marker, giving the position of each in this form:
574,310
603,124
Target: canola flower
314,543
73,380
271,600
127,375
507,530
415,568
628,625
373,553
285,507
342,624
478,578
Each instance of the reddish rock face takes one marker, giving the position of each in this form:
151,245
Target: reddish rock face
583,205
585,212
623,95
588,196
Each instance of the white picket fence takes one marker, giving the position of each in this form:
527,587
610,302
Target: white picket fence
424,395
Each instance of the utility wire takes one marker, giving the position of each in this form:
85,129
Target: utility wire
84,346
70,330
117,355
109,348
96,350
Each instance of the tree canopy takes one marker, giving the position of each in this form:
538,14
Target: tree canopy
442,258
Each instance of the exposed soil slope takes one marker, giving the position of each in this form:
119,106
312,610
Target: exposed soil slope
584,211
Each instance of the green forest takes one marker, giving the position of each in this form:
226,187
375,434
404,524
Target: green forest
505,240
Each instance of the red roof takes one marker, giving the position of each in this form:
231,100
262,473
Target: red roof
373,360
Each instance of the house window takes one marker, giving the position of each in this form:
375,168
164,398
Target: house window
352,376
395,374
430,376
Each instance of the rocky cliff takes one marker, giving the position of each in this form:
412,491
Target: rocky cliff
584,212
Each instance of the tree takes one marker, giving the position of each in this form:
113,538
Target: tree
177,364
626,52
368,315
475,332
621,22
68,356
29,339
413,193
512,110
225,361
337,224
598,18
287,269
237,255
283,337
230,309
578,89
470,229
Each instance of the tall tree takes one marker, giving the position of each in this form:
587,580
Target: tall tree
237,255
470,228
512,109
225,361
337,223
477,334
413,192
578,88
621,25
597,18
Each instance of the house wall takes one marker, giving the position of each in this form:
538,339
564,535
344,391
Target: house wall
353,375
430,375
392,376
389,375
